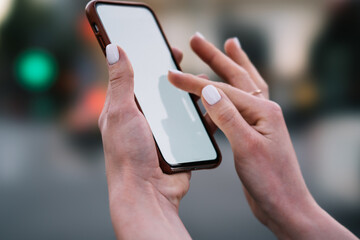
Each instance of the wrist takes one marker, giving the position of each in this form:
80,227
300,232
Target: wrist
296,221
309,221
138,210
133,193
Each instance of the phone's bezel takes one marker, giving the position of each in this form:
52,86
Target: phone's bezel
103,40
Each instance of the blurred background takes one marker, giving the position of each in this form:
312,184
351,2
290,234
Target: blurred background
53,79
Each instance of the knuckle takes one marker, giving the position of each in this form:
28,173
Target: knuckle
117,75
121,113
113,115
275,109
253,144
240,75
243,73
265,87
226,116
222,85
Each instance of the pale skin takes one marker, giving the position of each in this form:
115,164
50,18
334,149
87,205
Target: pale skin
144,201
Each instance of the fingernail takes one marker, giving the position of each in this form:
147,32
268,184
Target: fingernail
211,94
199,35
112,53
237,41
175,71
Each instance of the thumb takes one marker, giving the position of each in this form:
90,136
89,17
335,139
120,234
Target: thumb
121,76
225,115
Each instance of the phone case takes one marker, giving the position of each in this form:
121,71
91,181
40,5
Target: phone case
104,41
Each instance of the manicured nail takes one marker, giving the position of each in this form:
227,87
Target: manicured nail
112,53
199,35
236,39
211,94
175,71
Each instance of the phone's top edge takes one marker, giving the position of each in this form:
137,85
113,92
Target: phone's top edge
93,3
91,7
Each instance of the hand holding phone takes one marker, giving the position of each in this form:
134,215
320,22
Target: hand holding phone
181,135
139,192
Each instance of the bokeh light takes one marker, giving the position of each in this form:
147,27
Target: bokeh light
85,30
5,8
94,101
36,70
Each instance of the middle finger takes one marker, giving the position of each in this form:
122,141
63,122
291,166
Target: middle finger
222,65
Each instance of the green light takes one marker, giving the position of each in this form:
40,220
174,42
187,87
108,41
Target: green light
36,70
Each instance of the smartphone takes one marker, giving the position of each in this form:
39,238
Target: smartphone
181,135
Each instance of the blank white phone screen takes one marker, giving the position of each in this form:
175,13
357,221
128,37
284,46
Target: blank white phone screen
170,112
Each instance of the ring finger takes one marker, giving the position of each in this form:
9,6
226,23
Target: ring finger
237,54
224,66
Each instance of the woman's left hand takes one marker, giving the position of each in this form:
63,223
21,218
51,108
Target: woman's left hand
143,200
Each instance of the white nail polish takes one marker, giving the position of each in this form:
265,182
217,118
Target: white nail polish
211,94
237,41
112,53
175,71
199,35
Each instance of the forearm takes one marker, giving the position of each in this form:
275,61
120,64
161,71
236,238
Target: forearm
138,211
311,223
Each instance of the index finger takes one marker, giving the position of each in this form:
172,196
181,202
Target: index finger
251,107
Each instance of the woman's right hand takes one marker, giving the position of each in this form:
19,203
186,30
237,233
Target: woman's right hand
265,159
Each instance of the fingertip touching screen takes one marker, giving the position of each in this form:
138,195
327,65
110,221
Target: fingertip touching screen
170,112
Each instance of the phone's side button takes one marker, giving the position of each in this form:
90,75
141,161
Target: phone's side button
101,41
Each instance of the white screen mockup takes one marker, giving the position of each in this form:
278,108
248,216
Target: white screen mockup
170,112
